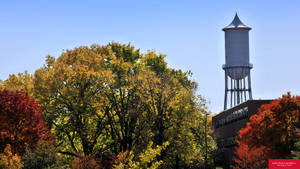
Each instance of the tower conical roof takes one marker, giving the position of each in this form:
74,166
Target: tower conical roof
236,24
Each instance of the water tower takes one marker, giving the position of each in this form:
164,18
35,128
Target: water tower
237,66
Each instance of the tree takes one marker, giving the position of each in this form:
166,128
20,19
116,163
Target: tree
295,154
87,162
88,95
8,160
273,131
19,82
146,159
174,113
21,123
112,98
125,109
70,91
203,132
251,158
43,157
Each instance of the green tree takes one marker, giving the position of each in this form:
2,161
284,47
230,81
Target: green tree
203,132
43,157
173,110
124,108
295,154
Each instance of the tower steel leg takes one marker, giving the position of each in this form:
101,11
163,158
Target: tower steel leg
245,94
249,85
231,92
226,90
238,91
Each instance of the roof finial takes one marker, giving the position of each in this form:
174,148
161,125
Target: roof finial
236,24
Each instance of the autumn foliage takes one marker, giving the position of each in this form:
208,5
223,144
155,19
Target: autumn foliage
10,160
21,123
93,161
101,101
270,134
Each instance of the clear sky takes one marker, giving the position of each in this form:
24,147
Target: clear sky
189,32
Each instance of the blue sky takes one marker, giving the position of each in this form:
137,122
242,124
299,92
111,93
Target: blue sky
189,32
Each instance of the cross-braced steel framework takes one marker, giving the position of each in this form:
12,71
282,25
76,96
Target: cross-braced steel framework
237,90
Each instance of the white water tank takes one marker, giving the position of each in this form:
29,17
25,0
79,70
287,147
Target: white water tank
237,49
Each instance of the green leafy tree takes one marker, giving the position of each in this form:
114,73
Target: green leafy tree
295,154
203,131
124,108
173,111
43,157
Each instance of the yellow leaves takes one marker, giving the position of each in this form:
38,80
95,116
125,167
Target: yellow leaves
50,61
147,159
21,81
82,59
120,65
115,89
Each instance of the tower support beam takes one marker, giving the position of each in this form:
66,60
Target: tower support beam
236,90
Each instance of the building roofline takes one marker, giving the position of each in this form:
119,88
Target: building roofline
246,102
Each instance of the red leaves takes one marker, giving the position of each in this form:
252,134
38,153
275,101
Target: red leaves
21,123
249,158
272,132
93,161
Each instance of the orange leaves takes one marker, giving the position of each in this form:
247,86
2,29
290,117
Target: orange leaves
94,161
272,131
249,157
10,160
87,162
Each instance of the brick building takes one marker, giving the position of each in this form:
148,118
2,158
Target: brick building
226,126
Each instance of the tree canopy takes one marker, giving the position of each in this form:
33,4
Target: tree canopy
270,134
101,101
